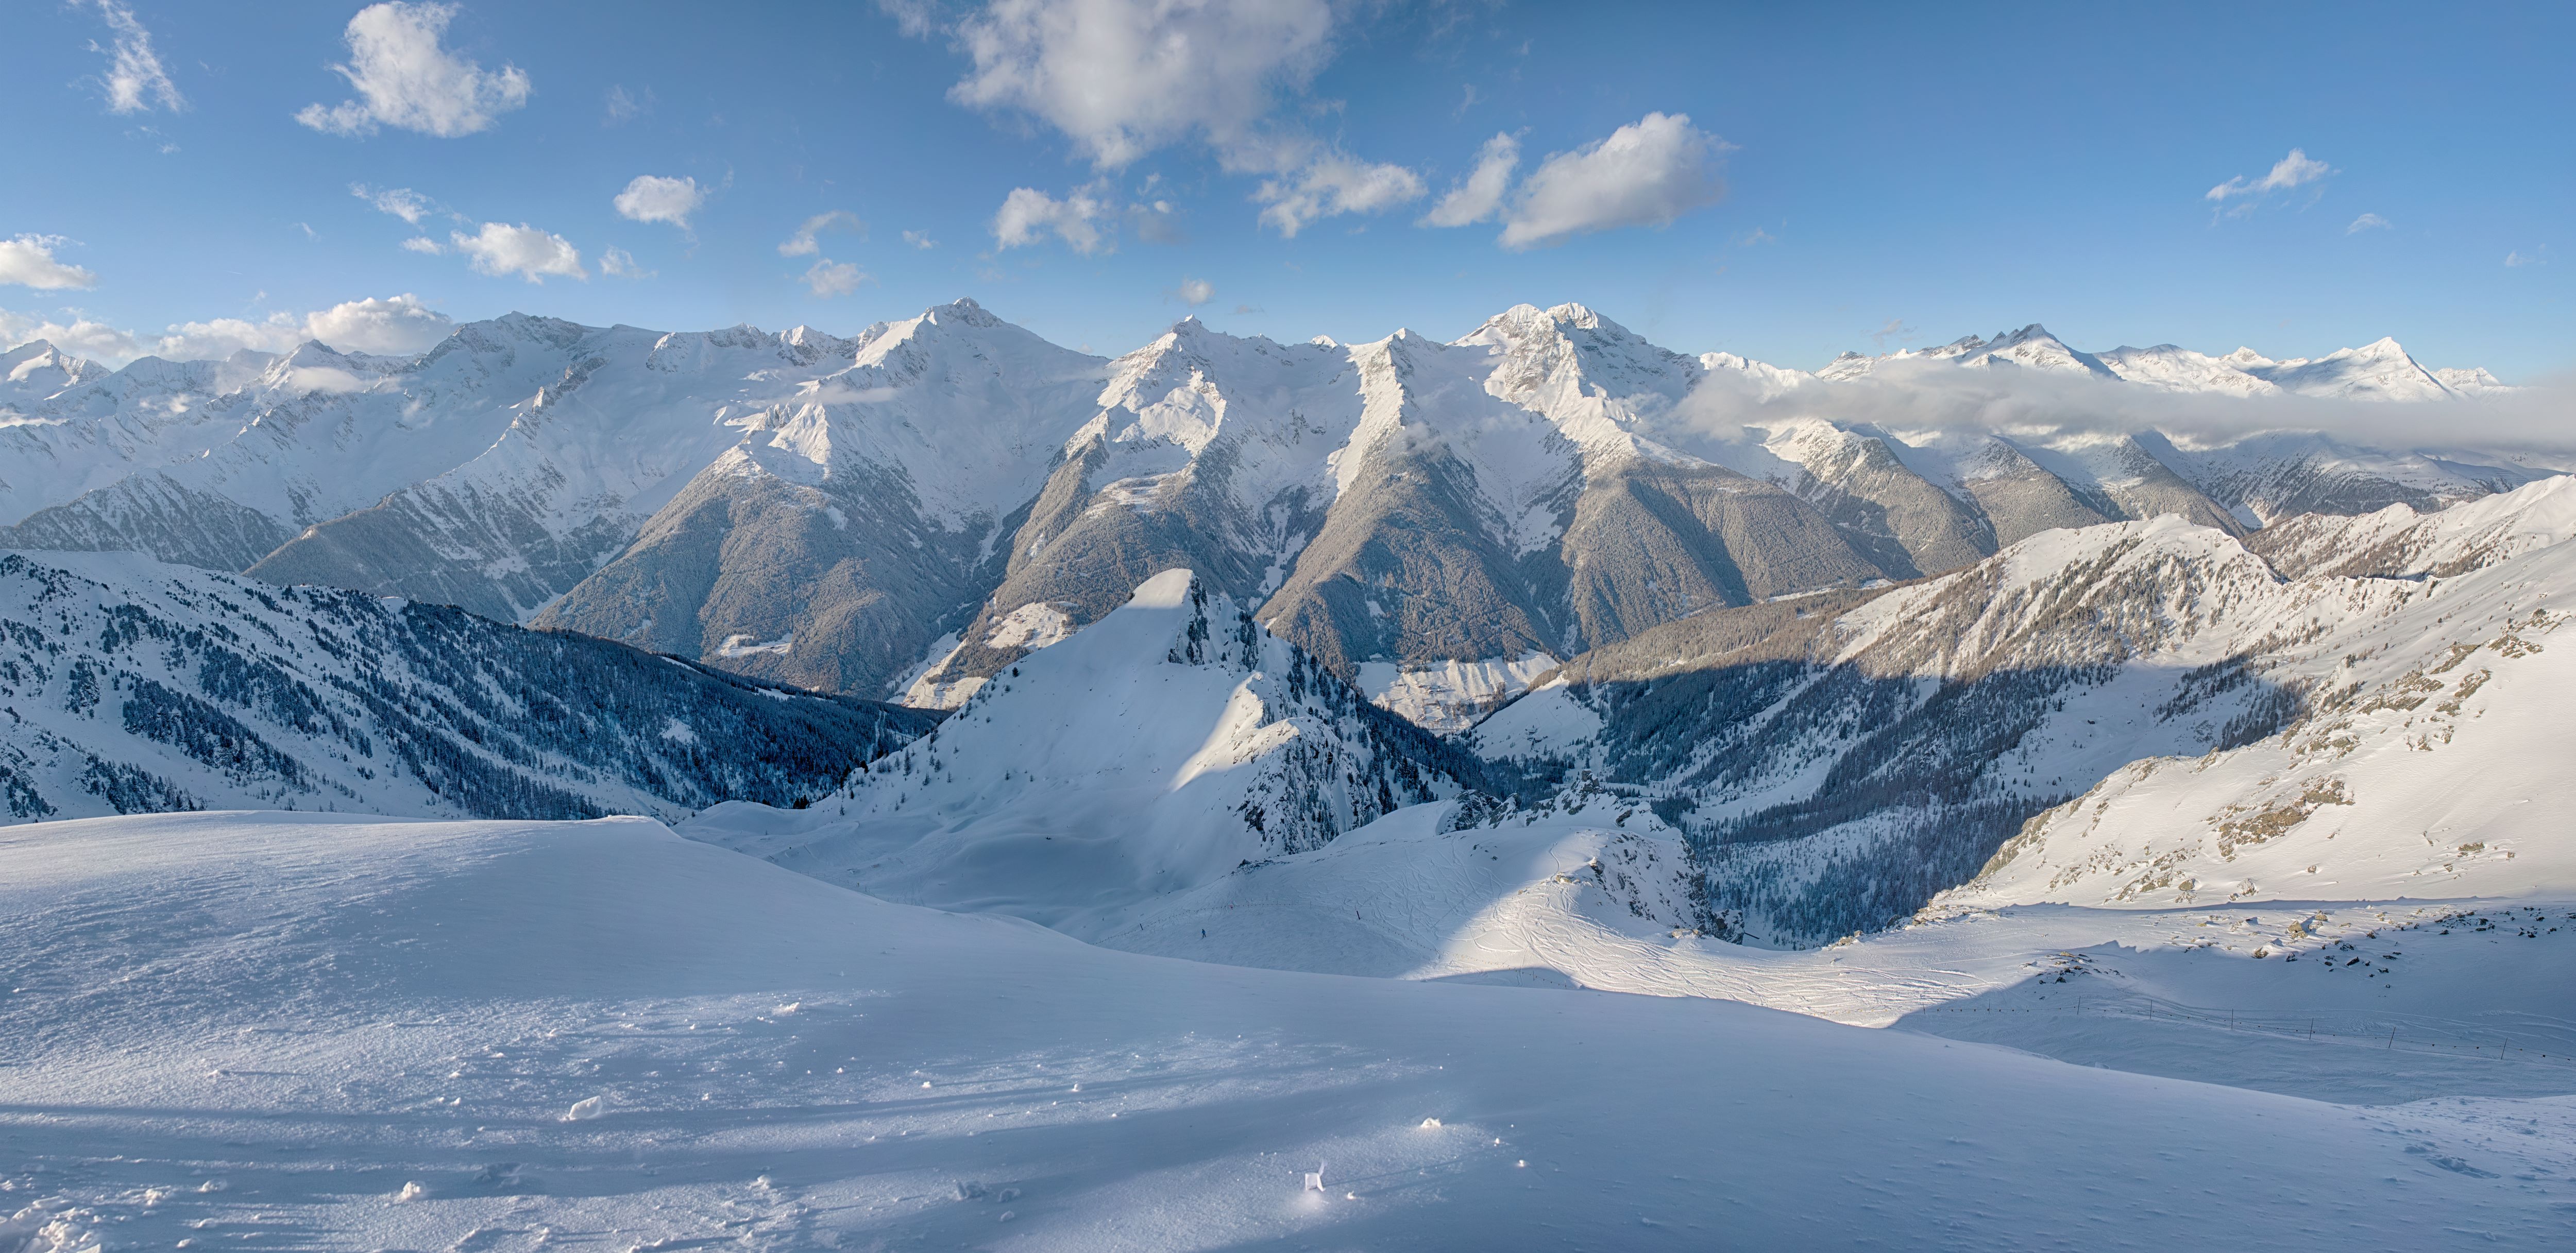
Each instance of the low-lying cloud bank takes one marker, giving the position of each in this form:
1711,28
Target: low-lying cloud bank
1926,396
390,324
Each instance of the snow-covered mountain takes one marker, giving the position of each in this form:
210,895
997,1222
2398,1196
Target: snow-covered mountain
909,511
1842,757
1153,750
132,686
2380,370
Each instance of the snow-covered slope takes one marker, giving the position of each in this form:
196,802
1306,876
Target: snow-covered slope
2429,761
1844,758
264,1031
1151,751
131,686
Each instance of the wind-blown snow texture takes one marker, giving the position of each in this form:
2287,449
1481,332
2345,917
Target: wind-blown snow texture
129,686
272,1031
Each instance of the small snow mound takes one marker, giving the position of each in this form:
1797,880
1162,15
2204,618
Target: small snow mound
411,1191
786,1009
1430,1124
48,1226
587,1107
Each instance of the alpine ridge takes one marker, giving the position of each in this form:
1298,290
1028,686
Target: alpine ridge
906,512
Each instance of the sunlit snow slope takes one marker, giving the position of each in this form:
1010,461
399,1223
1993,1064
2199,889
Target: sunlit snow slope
272,1032
1151,751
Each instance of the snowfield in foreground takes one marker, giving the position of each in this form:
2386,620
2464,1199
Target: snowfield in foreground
272,1031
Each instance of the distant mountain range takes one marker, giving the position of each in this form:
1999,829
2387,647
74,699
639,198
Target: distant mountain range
906,512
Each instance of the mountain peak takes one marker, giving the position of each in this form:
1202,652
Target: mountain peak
964,311
1571,314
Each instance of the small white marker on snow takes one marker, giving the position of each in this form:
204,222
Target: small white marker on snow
1315,1178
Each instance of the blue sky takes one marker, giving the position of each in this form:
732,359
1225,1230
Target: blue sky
1783,184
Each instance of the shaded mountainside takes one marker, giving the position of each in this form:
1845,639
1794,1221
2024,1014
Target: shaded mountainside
1840,758
131,686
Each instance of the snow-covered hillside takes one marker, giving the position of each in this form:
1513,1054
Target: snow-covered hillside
2429,761
1153,750
131,686
1846,757
270,1031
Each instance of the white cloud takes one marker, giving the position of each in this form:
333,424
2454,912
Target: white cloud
135,81
828,278
532,254
1331,184
1480,197
1027,215
393,324
1646,173
422,243
28,261
653,198
619,263
2515,259
402,202
1195,291
2366,222
80,337
1124,77
2294,170
404,79
804,242
920,239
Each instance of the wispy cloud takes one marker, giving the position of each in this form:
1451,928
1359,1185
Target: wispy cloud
806,241
828,278
619,263
2366,222
2295,170
136,81
402,202
2518,258
1194,291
